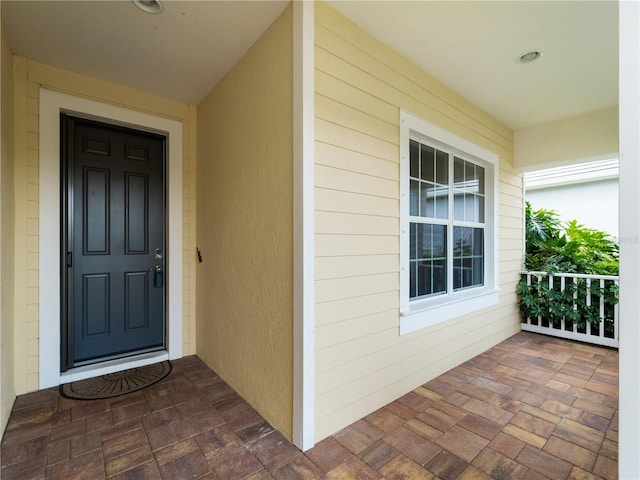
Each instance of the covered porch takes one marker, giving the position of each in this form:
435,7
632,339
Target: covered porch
532,407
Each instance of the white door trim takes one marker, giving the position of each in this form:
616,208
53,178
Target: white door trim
51,104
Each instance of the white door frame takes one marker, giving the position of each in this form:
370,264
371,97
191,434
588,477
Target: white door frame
51,104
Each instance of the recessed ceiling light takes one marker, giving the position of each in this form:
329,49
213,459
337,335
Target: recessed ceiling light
149,6
529,57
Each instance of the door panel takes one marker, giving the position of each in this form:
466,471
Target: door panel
115,222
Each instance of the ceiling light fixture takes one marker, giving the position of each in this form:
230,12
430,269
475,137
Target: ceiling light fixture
529,57
149,6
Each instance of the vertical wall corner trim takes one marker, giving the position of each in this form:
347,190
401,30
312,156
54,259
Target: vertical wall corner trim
303,225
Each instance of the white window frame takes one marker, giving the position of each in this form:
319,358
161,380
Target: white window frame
425,312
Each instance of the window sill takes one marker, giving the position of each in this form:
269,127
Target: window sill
423,316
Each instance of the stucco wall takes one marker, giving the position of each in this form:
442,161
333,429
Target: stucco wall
29,77
245,326
362,362
7,388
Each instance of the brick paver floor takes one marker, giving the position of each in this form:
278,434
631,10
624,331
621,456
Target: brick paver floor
533,407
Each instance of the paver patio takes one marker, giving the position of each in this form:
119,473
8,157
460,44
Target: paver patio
533,407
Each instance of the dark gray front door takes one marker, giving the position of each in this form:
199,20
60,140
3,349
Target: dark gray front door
113,241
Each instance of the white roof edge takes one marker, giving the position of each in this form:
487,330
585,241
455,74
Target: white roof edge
584,172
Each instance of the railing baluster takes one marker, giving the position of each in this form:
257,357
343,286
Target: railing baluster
587,326
575,304
615,317
562,280
529,285
602,308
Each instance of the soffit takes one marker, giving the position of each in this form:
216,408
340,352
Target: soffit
180,53
472,46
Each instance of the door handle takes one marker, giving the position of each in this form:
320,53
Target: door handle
158,276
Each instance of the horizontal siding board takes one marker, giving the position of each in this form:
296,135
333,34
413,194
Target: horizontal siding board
509,222
343,288
341,136
347,94
512,178
339,310
511,212
350,224
507,189
352,266
353,328
355,203
341,114
511,244
512,201
329,245
510,266
343,180
343,159
341,354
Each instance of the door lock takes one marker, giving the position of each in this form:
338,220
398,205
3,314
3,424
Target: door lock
158,254
158,277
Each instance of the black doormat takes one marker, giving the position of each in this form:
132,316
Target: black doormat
115,384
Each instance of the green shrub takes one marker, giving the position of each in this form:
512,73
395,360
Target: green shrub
556,247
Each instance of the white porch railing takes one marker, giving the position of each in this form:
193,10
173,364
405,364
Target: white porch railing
589,315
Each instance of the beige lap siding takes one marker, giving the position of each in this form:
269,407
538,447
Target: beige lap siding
362,362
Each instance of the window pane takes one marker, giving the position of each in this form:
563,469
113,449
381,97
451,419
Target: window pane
458,205
480,176
426,162
414,198
458,173
442,168
478,271
413,283
478,242
424,278
469,173
470,208
427,194
468,253
412,241
439,283
414,154
467,273
481,209
457,273
442,207
428,266
424,245
439,241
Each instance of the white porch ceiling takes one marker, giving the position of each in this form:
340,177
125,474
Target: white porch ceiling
471,46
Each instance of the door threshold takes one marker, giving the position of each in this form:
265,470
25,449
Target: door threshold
111,366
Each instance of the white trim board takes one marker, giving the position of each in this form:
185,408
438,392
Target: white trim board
51,104
303,226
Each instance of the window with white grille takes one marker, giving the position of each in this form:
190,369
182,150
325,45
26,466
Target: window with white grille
448,225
